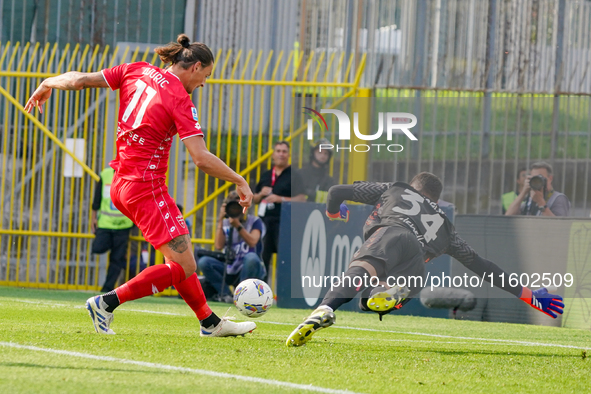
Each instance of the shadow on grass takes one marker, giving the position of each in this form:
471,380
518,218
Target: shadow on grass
101,369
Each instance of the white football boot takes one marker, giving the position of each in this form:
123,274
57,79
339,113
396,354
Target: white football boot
101,319
227,328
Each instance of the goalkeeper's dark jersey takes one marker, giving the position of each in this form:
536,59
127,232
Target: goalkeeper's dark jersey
398,204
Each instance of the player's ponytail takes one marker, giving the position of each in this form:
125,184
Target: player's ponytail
184,53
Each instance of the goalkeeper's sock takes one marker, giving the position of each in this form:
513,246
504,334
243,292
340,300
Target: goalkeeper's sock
191,291
347,289
152,280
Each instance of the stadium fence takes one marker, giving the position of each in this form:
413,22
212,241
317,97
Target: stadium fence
49,163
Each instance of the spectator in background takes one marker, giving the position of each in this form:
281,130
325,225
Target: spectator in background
276,186
508,198
538,197
111,229
314,175
245,232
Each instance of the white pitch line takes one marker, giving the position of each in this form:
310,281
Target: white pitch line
40,302
356,329
155,312
407,340
468,338
446,336
55,304
224,375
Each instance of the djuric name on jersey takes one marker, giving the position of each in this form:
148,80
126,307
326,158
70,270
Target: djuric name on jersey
156,76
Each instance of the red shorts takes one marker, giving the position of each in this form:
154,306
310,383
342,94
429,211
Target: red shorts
151,208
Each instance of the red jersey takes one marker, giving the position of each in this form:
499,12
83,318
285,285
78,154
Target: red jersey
153,107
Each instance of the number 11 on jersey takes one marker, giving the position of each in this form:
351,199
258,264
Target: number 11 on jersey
150,93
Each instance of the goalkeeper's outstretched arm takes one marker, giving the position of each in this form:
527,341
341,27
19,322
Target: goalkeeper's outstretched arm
361,192
550,304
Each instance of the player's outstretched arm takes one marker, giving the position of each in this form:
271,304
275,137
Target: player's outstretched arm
212,165
335,208
361,192
72,80
541,300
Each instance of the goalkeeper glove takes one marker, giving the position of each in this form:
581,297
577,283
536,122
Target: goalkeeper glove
550,304
342,215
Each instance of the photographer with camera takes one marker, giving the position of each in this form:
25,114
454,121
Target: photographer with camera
240,236
538,198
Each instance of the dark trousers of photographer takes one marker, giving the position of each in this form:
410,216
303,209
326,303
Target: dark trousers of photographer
213,270
271,240
115,241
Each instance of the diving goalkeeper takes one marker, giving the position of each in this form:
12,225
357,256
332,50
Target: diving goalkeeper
405,230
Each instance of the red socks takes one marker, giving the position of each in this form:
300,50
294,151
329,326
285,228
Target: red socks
152,280
156,278
191,291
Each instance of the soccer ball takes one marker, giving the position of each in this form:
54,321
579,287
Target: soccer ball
253,297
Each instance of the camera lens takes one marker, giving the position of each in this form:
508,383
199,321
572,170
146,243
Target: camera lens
537,182
233,209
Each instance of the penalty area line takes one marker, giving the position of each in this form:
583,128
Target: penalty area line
215,374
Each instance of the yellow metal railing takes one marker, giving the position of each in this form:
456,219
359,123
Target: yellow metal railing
245,107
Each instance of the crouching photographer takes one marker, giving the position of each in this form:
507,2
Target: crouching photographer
538,198
239,235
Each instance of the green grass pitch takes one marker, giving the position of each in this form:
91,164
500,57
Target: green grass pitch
48,345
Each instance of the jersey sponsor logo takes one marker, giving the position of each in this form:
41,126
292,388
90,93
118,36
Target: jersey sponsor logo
198,126
414,229
181,220
133,137
194,113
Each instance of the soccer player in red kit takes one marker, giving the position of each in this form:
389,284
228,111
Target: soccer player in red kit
154,106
